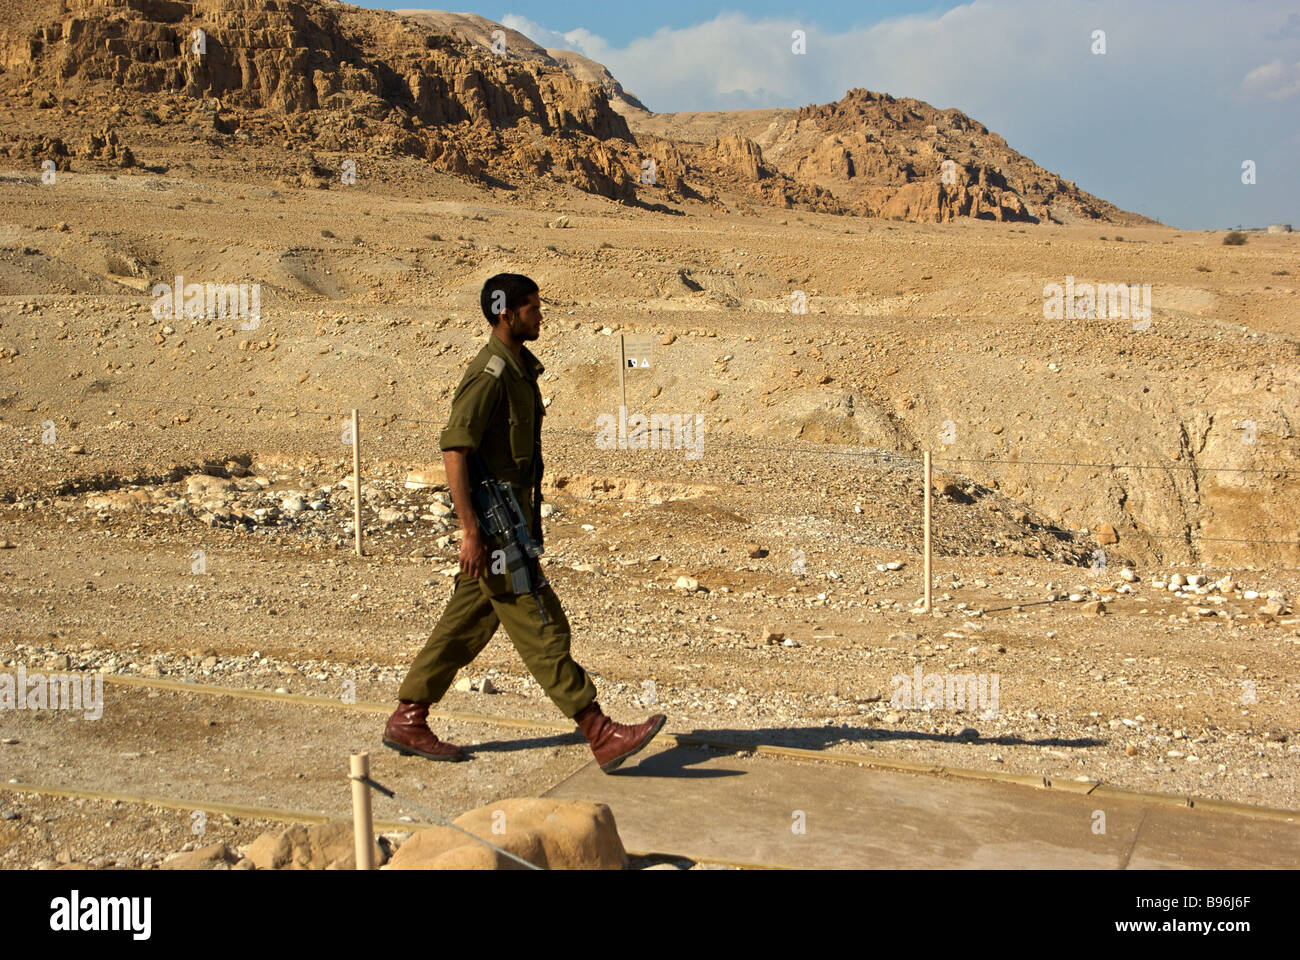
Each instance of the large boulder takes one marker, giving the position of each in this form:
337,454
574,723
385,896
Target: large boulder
552,834
322,846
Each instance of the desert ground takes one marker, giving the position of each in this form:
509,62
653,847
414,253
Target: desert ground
175,437
831,292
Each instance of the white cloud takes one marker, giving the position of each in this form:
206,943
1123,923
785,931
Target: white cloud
1180,78
1272,81
983,52
552,39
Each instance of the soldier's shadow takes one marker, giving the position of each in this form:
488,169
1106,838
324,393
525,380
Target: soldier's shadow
704,744
741,740
673,762
701,745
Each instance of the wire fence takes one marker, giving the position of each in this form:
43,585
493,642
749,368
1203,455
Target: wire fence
730,444
903,462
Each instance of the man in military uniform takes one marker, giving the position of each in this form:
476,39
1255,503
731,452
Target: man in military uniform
497,411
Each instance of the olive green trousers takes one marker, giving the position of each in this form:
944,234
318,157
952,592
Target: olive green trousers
469,622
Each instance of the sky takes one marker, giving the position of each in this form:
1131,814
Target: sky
1161,123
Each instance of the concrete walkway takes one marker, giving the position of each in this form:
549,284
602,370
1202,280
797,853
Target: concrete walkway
712,805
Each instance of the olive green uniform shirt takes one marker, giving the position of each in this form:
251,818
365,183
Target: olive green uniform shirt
497,410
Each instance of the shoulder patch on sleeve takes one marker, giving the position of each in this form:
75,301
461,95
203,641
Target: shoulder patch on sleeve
494,366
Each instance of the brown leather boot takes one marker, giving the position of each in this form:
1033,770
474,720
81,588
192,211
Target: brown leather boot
407,732
611,742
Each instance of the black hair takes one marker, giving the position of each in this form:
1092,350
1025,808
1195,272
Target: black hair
514,287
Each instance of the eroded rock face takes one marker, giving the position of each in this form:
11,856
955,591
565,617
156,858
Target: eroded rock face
737,161
742,155
347,79
292,57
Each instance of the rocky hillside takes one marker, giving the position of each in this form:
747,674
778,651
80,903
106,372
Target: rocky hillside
888,157
881,156
315,76
516,46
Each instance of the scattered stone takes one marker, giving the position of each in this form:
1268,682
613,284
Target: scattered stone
790,642
771,637
216,856
488,686
391,515
1128,575
464,685
1093,608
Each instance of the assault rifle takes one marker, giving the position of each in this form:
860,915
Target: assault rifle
501,519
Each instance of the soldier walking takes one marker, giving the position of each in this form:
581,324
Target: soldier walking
497,412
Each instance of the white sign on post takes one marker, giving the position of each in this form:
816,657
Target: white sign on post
637,351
